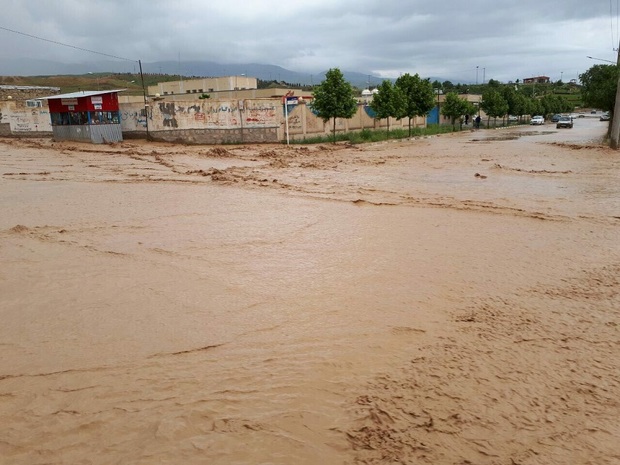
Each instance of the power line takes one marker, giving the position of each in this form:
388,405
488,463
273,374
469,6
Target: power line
67,45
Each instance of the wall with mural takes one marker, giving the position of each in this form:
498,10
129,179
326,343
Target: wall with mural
208,121
204,121
16,118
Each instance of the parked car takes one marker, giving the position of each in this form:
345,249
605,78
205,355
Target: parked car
564,122
537,120
512,118
556,118
605,117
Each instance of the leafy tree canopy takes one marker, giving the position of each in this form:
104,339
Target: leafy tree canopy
599,85
418,95
455,107
493,103
389,102
333,98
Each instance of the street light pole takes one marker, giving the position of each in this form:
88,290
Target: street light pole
615,121
476,75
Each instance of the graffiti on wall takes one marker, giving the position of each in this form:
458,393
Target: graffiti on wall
294,122
29,120
135,117
168,112
261,115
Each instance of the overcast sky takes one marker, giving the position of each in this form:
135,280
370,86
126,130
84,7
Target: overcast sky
458,40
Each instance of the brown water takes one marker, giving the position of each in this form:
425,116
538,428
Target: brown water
442,300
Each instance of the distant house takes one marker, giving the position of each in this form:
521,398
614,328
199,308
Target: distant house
86,116
537,80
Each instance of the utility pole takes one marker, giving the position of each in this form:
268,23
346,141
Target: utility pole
615,121
146,105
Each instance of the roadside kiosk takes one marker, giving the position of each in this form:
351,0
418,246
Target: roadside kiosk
86,116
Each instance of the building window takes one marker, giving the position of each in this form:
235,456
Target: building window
34,103
165,93
104,117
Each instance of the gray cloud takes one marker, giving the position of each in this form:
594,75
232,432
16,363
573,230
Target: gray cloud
508,40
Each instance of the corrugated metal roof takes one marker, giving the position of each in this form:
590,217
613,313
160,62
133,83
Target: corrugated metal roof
82,93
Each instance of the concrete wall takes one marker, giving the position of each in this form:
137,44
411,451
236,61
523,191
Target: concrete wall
303,122
16,118
204,121
207,121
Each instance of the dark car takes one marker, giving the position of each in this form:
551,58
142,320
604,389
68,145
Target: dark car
555,118
564,122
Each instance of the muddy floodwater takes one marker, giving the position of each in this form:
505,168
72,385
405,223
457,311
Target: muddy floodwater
447,300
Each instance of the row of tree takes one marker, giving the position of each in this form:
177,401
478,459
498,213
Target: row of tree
499,101
410,96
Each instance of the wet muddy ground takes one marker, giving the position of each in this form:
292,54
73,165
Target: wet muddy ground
448,300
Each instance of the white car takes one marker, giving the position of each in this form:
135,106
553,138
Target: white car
537,120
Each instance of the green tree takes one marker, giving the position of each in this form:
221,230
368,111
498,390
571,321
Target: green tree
553,103
388,102
455,107
418,94
520,105
333,98
493,104
447,86
535,107
599,87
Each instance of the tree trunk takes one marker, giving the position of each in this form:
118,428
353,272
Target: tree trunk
334,131
409,127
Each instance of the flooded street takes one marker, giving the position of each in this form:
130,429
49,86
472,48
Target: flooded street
448,300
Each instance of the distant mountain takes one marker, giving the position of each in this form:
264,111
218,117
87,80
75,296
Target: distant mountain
32,67
28,67
257,70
